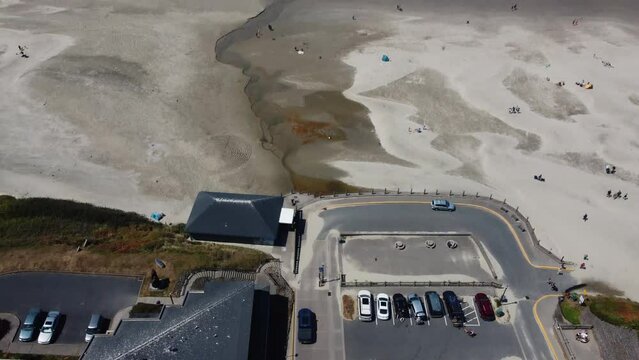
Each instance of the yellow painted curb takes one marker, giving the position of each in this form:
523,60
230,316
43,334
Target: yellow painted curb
541,325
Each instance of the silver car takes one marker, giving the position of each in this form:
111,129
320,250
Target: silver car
95,327
30,325
50,327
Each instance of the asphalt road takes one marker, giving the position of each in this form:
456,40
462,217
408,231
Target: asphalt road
75,296
521,278
435,339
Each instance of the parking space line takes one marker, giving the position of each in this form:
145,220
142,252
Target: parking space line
445,321
427,313
411,321
393,317
376,323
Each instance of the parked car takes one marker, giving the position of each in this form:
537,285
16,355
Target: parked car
485,307
364,303
96,326
454,309
435,305
30,325
306,326
400,306
418,308
383,306
50,328
441,204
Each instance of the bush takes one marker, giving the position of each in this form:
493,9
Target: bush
616,311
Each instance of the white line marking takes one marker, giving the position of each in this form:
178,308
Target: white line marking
474,325
393,317
475,318
466,307
411,321
445,321
376,323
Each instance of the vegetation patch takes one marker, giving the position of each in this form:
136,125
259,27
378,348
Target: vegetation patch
616,311
45,235
348,306
144,310
571,311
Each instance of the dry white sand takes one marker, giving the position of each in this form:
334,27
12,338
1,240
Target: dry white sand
458,80
123,104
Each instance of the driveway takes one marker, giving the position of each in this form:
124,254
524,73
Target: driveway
75,296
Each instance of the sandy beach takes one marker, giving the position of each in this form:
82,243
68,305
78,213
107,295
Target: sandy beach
123,104
458,84
140,104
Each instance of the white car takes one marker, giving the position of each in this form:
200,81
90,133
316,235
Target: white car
383,306
365,305
49,328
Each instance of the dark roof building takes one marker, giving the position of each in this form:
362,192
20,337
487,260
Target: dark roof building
239,218
215,324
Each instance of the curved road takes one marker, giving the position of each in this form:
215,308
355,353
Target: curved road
526,270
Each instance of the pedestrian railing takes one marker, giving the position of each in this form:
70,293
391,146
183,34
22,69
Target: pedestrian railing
563,342
356,283
185,281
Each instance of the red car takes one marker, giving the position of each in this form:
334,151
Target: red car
484,307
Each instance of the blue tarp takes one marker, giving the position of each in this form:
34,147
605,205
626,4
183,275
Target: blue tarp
385,58
157,216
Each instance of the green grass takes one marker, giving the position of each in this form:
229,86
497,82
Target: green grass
616,311
571,311
43,234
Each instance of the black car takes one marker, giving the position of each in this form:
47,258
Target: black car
453,306
400,306
435,305
306,326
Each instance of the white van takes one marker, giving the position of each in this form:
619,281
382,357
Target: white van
365,305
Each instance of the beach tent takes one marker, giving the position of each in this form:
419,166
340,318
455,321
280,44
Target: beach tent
385,58
588,86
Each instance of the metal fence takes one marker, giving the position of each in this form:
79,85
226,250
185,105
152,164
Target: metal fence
421,283
184,281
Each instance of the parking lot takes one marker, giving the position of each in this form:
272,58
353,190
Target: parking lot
436,338
370,255
75,296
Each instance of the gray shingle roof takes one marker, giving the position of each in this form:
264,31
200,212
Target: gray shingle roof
235,215
212,325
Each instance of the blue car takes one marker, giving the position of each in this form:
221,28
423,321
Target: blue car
441,204
306,326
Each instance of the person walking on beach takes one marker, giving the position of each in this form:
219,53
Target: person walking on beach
585,217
